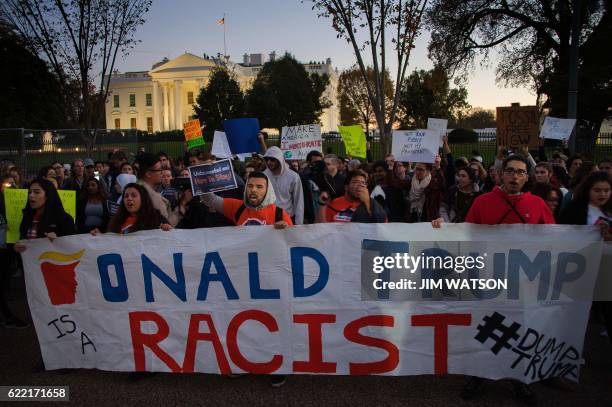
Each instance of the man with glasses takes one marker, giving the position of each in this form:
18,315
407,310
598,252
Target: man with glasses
60,173
356,204
508,204
77,177
286,183
150,177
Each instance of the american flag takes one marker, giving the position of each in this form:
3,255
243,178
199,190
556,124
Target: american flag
221,22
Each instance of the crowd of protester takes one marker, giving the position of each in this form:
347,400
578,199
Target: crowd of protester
153,192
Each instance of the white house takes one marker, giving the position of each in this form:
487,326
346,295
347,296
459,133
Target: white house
162,99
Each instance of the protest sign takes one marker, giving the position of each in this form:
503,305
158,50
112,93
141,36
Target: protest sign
218,176
298,141
438,125
419,146
193,133
220,147
517,126
557,129
242,135
16,199
354,140
259,300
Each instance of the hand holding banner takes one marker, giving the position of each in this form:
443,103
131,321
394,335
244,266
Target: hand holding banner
354,140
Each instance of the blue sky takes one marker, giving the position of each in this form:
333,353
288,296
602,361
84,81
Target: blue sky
261,26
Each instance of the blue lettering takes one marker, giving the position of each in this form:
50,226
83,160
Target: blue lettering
110,293
221,276
177,287
297,270
258,293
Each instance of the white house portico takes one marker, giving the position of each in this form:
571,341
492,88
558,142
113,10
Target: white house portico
162,99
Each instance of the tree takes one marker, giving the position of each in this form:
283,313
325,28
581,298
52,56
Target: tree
355,105
81,40
283,94
532,40
428,94
476,118
379,22
30,97
219,100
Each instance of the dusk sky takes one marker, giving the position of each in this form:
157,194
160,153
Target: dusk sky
262,26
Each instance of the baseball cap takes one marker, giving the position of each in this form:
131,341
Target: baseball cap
88,162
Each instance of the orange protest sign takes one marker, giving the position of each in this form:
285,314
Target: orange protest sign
518,125
193,133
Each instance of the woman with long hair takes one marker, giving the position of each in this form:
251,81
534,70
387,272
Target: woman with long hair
459,198
135,213
44,215
92,211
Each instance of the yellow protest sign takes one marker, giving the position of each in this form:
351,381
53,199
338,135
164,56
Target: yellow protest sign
354,140
15,200
193,133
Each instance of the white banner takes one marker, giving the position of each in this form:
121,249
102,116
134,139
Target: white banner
557,129
418,146
299,300
298,141
220,147
438,125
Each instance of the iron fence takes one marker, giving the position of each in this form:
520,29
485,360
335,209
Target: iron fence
32,149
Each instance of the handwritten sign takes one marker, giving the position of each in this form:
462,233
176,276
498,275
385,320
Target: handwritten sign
557,129
420,146
517,126
438,125
298,141
220,147
218,176
15,200
354,140
193,133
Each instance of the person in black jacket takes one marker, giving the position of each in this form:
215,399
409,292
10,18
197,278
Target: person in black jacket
44,215
591,204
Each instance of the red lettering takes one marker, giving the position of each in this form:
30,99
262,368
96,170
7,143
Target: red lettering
351,332
194,335
440,322
140,340
315,363
232,345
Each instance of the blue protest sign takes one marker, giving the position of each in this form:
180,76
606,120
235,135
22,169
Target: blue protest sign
218,176
242,135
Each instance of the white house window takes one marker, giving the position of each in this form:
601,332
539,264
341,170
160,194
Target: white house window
132,100
116,101
133,123
150,124
190,98
117,123
149,99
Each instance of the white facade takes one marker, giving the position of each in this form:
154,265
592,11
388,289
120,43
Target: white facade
162,99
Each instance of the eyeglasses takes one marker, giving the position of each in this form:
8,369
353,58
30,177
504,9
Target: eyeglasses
513,171
358,183
270,159
153,170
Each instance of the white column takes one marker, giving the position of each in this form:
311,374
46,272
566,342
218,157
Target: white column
156,121
178,105
171,107
165,101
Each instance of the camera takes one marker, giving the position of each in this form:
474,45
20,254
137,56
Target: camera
181,183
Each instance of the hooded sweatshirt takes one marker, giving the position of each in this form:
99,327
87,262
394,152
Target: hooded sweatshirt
288,186
263,214
497,207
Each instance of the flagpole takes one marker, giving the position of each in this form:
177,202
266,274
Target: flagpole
224,44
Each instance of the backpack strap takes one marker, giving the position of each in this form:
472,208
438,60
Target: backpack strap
239,213
278,214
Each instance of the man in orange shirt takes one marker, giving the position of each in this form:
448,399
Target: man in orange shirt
355,205
257,208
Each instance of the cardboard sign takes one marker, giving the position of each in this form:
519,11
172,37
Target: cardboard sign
557,129
438,125
354,140
218,176
517,126
242,135
298,141
15,200
220,147
418,146
193,133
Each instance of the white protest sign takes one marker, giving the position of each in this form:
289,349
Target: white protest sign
556,128
247,299
298,141
220,147
419,146
439,125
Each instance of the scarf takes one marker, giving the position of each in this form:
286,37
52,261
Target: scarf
416,197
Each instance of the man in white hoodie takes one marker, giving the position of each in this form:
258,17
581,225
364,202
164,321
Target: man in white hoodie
286,183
